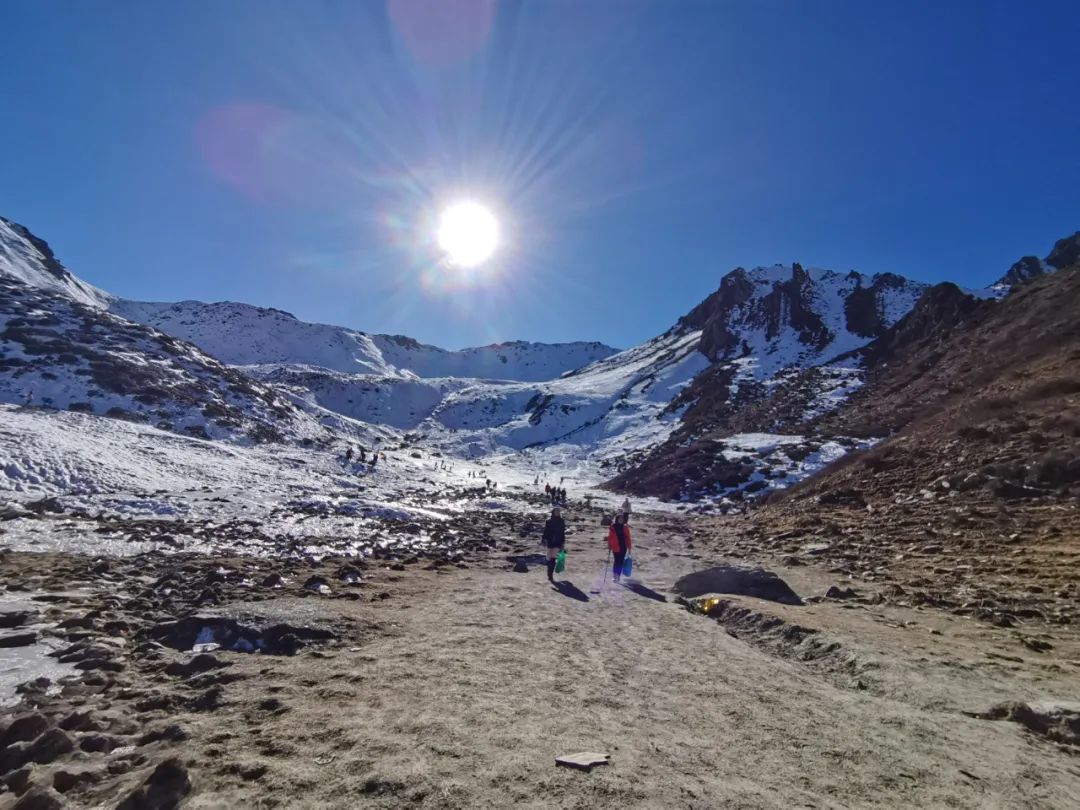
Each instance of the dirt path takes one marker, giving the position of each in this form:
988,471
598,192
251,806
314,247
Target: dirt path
470,682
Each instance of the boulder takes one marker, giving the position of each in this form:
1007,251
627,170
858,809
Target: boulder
731,579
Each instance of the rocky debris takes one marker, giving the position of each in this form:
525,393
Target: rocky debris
1059,723
164,789
729,579
233,634
520,566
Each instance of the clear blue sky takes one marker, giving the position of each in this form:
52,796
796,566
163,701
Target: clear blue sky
292,154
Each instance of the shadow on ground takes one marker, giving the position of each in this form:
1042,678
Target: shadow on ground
642,590
567,588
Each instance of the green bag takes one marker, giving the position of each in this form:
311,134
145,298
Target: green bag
560,561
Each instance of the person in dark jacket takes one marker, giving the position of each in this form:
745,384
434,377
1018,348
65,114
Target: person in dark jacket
554,540
619,543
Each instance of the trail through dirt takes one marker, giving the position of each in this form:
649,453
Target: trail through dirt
474,681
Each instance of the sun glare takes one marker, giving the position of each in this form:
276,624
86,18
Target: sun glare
468,234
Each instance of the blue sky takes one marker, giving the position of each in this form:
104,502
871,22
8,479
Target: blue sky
296,154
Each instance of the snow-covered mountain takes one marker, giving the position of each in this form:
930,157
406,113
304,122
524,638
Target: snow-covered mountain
241,334
708,387
57,352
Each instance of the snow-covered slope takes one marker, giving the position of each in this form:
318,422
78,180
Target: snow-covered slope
29,259
58,353
241,334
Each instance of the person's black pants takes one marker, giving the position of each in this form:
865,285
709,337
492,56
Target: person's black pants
616,568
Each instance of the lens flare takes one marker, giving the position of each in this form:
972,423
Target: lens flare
468,234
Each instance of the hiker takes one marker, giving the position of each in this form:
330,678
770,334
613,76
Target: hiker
374,458
348,456
626,509
363,455
554,539
618,541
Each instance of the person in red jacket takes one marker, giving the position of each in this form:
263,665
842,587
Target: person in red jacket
618,541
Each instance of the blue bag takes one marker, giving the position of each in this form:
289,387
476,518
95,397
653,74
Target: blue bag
628,566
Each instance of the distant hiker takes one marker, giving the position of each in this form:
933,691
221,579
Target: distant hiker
618,541
348,456
374,458
554,540
363,455
547,490
626,508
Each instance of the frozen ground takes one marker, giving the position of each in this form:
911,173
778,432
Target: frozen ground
97,467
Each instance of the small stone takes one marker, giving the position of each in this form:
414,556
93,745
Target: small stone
583,761
520,567
836,592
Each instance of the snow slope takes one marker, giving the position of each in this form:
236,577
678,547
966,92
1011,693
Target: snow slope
29,259
241,334
58,353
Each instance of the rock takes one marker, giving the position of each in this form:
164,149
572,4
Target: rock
318,585
49,746
13,757
170,733
18,781
836,592
79,721
731,579
98,743
520,567
64,781
203,662
15,618
24,729
163,789
23,638
273,581
39,798
1035,644
583,761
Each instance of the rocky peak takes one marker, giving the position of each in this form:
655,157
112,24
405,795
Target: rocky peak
940,310
1066,252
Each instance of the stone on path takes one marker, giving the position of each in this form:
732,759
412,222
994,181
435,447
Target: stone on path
583,761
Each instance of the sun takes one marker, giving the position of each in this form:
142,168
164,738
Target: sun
468,234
